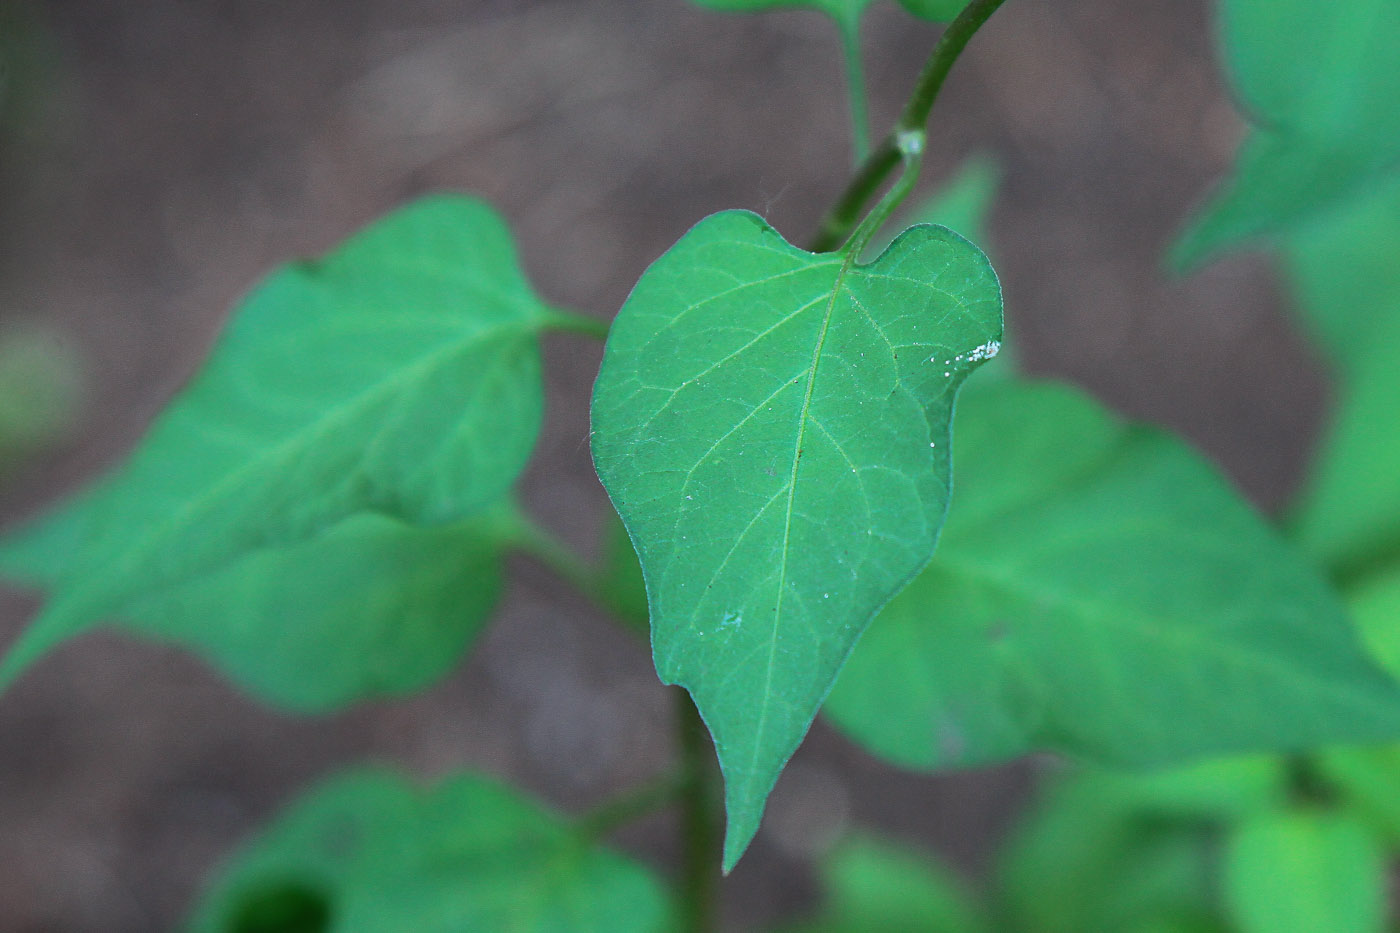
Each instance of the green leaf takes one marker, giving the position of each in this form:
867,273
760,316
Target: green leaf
1349,513
1215,790
876,885
1089,859
1375,605
1367,779
961,203
372,607
622,584
399,376
1343,272
1321,87
1304,872
1343,276
772,426
1101,591
368,851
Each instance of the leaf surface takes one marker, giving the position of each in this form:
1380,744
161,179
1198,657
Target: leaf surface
381,855
371,607
1302,871
1343,276
1349,513
399,376
876,885
1368,777
1101,591
1089,858
1320,86
773,428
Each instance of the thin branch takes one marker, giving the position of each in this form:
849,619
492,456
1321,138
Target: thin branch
845,215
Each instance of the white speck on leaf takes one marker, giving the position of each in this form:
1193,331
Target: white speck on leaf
985,352
977,354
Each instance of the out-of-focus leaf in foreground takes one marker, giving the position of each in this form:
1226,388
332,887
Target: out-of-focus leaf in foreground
370,852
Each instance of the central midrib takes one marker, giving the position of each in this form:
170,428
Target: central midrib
791,495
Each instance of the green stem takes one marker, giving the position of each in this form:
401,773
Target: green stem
542,545
911,150
950,45
629,807
572,322
845,215
697,787
855,83
701,820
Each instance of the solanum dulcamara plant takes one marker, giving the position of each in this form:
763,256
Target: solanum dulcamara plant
323,513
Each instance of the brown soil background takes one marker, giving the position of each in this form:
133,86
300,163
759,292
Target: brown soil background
186,146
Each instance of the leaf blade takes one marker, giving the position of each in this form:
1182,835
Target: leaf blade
873,884
384,856
1300,870
399,375
1321,93
1100,591
746,372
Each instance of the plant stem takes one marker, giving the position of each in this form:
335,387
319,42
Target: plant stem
629,806
697,785
572,322
701,824
844,216
911,150
855,82
542,545
950,45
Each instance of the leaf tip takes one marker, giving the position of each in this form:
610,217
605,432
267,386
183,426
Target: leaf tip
735,845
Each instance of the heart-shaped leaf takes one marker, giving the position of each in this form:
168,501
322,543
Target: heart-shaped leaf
773,428
398,376
1101,591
